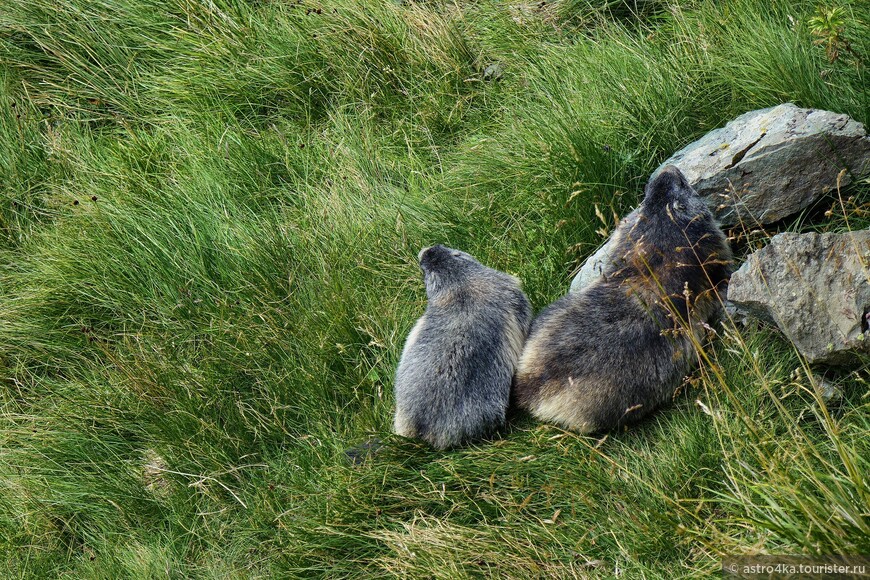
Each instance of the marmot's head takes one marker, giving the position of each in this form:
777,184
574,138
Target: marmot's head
444,267
673,216
669,197
675,230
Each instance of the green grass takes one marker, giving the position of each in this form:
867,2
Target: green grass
209,218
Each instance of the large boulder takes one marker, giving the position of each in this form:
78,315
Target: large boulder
768,164
761,167
815,288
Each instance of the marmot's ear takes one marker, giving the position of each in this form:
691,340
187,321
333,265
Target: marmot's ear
660,187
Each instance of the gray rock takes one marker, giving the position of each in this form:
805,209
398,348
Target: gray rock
594,266
828,391
768,164
493,72
815,288
601,262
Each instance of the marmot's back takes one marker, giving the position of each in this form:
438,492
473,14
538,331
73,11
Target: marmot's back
596,360
453,380
618,349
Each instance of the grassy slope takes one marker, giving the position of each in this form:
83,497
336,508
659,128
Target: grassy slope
208,224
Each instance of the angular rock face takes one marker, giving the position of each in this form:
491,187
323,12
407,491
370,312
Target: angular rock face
768,164
594,267
598,264
815,287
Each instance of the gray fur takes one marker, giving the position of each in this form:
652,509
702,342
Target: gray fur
613,352
453,380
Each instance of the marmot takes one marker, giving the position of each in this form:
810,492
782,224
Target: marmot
614,351
454,378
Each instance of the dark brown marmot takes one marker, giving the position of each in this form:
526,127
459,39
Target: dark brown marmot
613,352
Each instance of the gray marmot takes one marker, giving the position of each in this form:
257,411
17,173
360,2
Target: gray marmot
454,378
614,351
